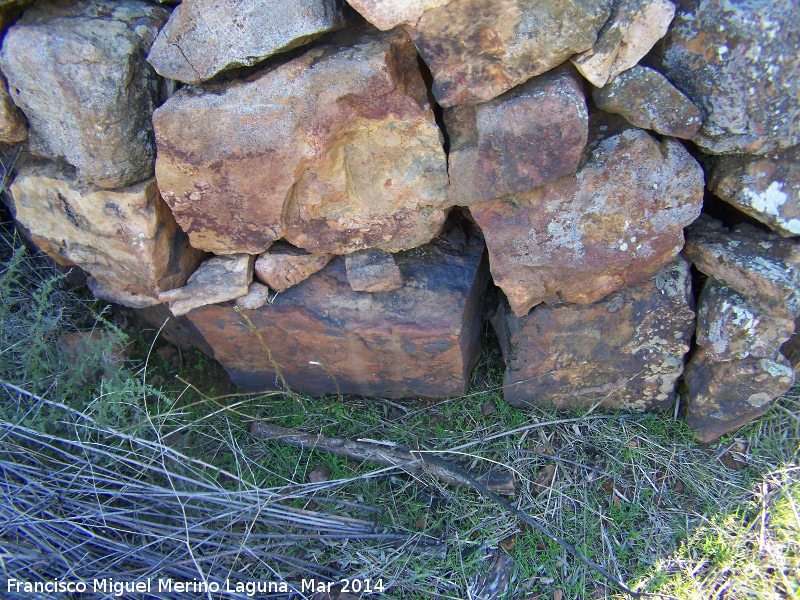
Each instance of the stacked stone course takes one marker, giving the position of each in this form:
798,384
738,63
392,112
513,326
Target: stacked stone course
329,190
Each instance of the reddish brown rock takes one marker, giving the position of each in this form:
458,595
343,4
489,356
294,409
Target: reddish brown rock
647,99
525,138
126,238
766,188
284,265
623,352
723,396
91,95
218,279
420,340
729,327
478,49
631,31
179,331
336,150
738,62
761,266
373,271
614,223
204,37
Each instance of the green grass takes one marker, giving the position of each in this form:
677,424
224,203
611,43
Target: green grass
636,495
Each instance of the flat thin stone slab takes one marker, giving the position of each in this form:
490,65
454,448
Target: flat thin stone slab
527,137
335,151
738,62
761,266
631,31
218,279
614,223
388,14
373,271
724,396
126,239
648,100
479,49
765,187
284,265
204,37
623,352
729,327
90,97
419,340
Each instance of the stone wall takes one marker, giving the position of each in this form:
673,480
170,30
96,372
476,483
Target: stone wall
323,194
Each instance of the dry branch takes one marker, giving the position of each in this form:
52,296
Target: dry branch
498,482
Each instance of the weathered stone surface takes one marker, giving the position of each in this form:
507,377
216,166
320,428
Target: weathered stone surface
257,296
420,340
738,61
614,223
284,265
218,279
729,327
623,352
631,31
762,267
89,98
127,238
13,126
791,349
387,14
766,188
647,99
373,271
527,137
337,150
723,396
204,37
478,49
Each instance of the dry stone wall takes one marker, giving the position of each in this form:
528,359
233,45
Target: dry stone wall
323,195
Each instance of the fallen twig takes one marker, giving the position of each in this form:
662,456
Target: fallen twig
499,482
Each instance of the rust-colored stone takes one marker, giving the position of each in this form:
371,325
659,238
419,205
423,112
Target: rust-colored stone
419,340
614,223
761,266
478,49
336,150
284,265
126,238
525,138
623,352
723,396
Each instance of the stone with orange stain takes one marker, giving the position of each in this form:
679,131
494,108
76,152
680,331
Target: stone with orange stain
614,223
478,49
336,150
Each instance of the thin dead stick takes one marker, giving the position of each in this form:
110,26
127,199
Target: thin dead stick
502,483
